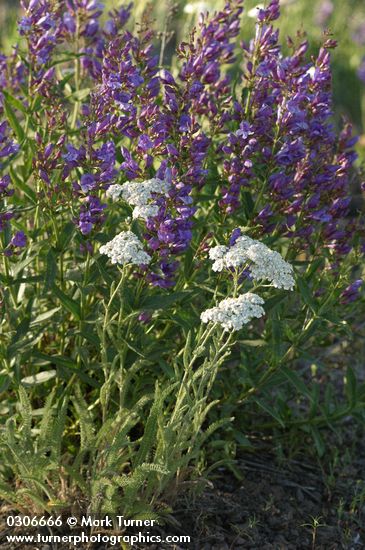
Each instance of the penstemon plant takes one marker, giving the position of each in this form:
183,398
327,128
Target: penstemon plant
153,221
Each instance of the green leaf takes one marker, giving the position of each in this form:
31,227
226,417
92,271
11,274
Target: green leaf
308,332
27,167
272,302
99,265
81,94
21,329
253,343
296,381
165,301
16,103
44,316
39,378
54,359
85,418
314,266
19,266
13,121
351,386
66,235
51,269
74,275
68,303
277,337
65,363
261,403
90,336
314,400
76,478
30,279
38,105
187,350
318,441
242,439
306,294
330,315
16,349
5,382
188,263
41,504
248,204
19,183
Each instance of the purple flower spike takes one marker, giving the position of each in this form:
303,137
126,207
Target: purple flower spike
235,234
144,317
91,214
4,187
264,144
352,292
5,217
19,240
145,143
87,182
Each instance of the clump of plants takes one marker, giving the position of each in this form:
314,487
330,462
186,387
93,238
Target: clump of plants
173,240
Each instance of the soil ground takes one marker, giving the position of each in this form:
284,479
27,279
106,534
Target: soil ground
286,505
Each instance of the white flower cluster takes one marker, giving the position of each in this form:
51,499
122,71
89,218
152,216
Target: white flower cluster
196,7
139,194
233,313
264,263
125,248
253,12
268,264
145,211
114,191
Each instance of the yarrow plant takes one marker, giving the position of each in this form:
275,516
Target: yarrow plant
263,263
125,248
233,313
153,219
140,195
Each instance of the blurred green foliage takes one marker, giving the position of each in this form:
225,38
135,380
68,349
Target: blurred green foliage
8,21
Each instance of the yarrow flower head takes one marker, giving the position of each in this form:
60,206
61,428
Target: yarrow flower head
140,195
196,7
268,264
114,191
263,263
146,211
126,248
233,313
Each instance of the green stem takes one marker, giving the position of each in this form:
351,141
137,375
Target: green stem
77,69
106,322
83,308
184,388
8,276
